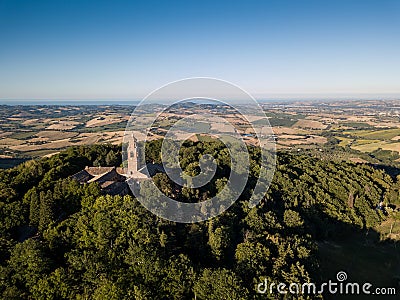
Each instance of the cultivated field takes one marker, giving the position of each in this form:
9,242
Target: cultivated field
352,129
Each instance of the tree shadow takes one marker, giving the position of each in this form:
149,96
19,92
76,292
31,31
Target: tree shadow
360,253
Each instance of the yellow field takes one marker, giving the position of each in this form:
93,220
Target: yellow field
55,135
104,120
29,122
63,125
369,147
51,145
288,130
344,141
385,134
363,142
314,139
10,142
47,140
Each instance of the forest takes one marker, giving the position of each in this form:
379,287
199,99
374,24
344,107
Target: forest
63,240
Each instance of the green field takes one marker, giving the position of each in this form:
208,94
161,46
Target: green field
343,141
375,145
22,135
385,134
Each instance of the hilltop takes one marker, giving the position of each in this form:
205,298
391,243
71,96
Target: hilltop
60,239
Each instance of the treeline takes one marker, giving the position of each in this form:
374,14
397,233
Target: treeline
39,191
90,246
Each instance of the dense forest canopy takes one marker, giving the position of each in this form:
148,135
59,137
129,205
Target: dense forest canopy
63,240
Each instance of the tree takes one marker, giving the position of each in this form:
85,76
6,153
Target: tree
57,285
219,240
46,213
111,159
34,207
179,276
292,218
107,289
220,284
252,259
164,184
27,264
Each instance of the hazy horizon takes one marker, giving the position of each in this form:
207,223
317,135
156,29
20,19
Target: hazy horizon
126,49
261,99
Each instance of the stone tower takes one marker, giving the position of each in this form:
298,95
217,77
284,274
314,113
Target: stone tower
132,155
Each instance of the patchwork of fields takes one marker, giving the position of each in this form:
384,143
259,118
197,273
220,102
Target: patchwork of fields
352,128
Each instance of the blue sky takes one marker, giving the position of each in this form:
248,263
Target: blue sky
77,49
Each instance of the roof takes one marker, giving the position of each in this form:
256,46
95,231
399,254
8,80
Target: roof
112,180
111,175
115,188
121,171
152,169
98,174
106,184
98,170
82,176
145,172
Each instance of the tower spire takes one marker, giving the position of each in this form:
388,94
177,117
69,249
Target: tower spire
133,155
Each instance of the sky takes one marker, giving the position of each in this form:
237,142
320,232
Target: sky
80,49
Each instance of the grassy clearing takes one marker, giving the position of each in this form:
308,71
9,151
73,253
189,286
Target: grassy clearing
286,122
310,124
4,142
369,147
364,142
356,125
54,135
110,127
390,229
40,153
22,135
386,134
343,141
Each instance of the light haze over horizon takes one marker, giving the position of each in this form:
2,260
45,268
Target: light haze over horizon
126,49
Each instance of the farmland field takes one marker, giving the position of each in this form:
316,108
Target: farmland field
386,134
32,131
